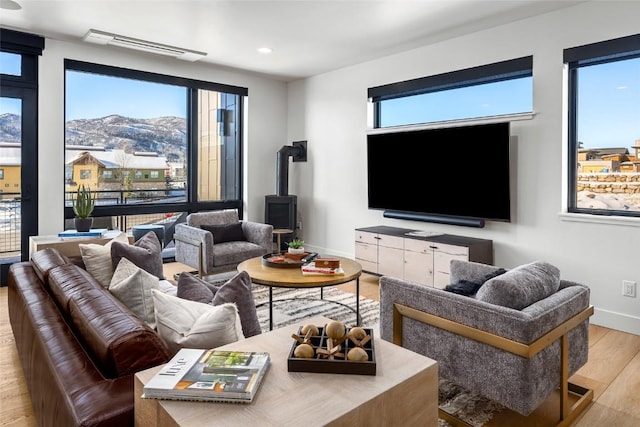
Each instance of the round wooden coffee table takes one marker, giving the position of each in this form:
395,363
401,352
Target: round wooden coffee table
274,277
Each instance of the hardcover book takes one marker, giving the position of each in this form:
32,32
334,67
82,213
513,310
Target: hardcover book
94,232
210,375
312,270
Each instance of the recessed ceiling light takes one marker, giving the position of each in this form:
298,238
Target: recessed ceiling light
9,5
265,50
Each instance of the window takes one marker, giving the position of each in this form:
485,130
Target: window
499,89
10,63
604,127
85,174
144,122
107,174
1,173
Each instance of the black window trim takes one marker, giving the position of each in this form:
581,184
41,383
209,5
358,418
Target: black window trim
489,73
480,75
192,204
575,58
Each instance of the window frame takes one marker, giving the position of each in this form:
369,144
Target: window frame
474,76
192,204
574,59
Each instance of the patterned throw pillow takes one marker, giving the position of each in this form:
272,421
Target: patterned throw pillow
183,323
236,290
146,253
132,286
97,258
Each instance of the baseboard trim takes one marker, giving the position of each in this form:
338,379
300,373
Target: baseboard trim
618,321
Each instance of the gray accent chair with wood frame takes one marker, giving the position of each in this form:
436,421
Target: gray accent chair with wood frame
217,241
516,341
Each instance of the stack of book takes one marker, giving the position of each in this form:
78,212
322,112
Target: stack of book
71,234
322,267
210,376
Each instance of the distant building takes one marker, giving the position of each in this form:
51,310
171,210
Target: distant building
116,170
10,182
595,160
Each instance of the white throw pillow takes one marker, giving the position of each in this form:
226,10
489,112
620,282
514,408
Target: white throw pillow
132,286
97,259
189,324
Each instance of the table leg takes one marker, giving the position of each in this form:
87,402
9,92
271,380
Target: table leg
271,308
358,301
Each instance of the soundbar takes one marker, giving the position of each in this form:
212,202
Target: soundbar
439,219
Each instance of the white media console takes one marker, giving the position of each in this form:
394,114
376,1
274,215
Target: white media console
419,256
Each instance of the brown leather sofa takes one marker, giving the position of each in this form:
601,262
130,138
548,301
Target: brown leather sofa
79,347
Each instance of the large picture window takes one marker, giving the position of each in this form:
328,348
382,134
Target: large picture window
604,127
494,90
147,143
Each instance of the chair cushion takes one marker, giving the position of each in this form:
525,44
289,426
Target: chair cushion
236,290
521,286
132,286
183,323
225,233
231,253
146,253
97,259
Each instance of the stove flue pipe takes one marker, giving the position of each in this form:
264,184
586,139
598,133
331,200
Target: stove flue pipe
299,153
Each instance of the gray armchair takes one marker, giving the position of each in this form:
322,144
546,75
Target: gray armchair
515,356
216,241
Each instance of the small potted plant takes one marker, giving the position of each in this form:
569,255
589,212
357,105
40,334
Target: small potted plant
296,246
83,204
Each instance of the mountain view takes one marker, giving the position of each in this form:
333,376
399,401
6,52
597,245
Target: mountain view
163,135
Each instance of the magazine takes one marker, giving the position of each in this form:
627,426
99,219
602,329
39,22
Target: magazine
210,375
311,270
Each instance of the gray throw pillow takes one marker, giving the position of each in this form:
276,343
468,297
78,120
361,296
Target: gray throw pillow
146,253
237,290
521,286
226,233
469,271
194,289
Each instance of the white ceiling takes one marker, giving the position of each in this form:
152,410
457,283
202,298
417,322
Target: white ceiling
307,37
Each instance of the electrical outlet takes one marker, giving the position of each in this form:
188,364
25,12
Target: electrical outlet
629,288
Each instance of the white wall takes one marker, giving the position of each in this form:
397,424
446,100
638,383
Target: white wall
266,127
329,111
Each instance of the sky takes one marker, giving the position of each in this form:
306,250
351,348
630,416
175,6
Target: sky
608,105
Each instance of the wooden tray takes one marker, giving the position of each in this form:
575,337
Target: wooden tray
337,365
279,260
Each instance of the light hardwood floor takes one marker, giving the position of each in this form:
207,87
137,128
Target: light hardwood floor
613,371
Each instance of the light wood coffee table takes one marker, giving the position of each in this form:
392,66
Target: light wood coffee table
276,277
404,392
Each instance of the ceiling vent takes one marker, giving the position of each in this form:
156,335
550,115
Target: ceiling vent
104,38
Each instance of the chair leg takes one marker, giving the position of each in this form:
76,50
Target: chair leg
201,261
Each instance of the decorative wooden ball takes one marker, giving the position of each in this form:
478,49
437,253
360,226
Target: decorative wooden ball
304,351
357,354
313,328
357,333
335,330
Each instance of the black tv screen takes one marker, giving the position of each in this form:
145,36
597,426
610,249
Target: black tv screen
459,172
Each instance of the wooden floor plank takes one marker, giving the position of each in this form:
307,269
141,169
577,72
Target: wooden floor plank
610,355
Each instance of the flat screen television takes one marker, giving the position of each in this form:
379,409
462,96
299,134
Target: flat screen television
457,175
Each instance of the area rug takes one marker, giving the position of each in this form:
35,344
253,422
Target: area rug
292,306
